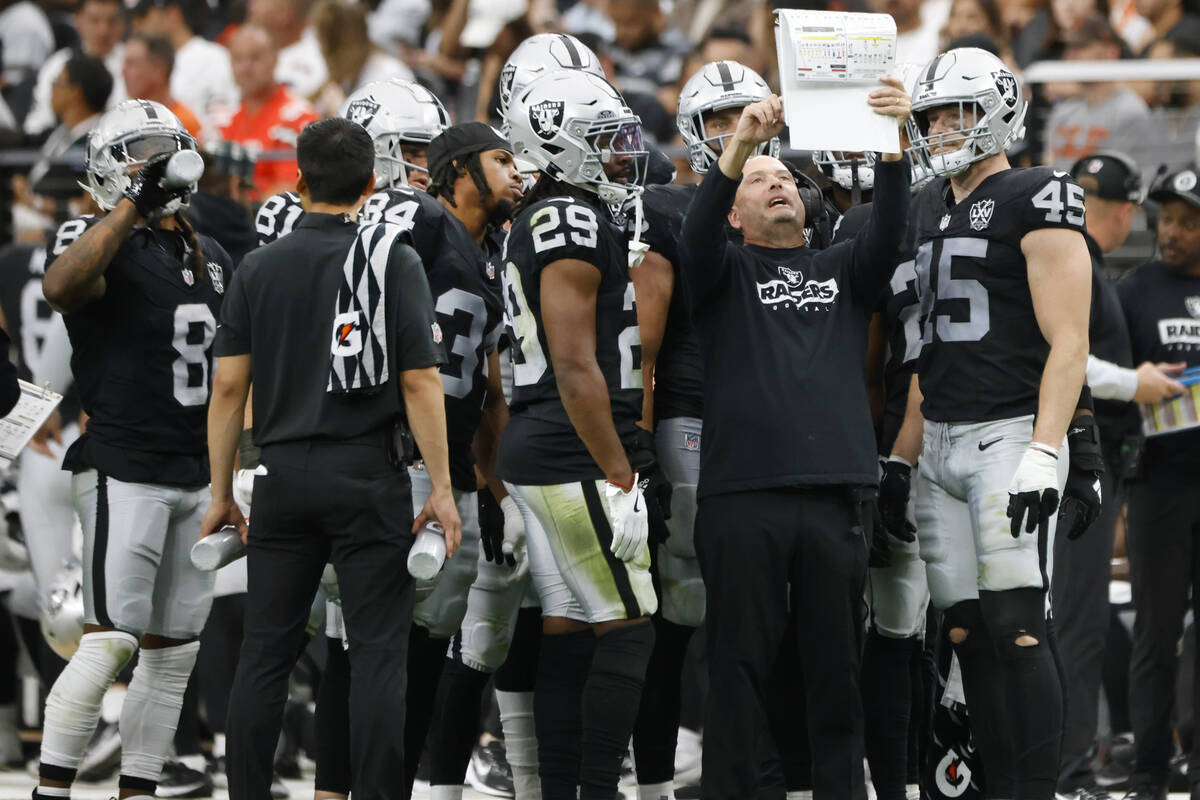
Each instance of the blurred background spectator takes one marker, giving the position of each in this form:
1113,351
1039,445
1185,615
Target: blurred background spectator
147,72
101,26
351,57
300,63
270,116
201,78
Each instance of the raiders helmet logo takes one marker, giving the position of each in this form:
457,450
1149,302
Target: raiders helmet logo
1193,306
362,111
794,277
1006,83
546,117
981,214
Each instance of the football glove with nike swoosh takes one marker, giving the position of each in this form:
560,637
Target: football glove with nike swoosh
627,515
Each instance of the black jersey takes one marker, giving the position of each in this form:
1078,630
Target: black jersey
540,446
142,359
277,216
466,296
28,315
1162,310
983,351
783,332
679,370
899,305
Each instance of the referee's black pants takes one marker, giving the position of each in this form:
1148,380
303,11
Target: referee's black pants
347,504
768,557
1163,543
1079,598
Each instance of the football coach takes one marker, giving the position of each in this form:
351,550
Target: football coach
788,466
334,325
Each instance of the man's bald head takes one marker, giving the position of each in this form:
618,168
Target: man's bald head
767,208
253,54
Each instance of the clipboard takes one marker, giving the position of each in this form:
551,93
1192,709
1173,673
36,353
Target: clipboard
32,410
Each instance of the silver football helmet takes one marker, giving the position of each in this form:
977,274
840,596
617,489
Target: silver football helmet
126,137
991,110
62,616
540,54
575,127
716,86
847,169
395,111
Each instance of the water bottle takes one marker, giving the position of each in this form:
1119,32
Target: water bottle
428,552
218,549
183,169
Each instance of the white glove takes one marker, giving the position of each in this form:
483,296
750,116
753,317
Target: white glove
627,515
1033,493
514,539
243,488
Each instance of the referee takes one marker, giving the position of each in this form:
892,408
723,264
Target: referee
335,486
788,465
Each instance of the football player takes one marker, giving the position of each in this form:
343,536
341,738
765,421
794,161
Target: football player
140,292
1004,281
402,118
709,107
577,396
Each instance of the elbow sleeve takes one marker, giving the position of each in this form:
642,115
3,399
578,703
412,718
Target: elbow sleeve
1110,381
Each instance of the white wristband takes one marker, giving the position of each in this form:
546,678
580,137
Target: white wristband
1044,448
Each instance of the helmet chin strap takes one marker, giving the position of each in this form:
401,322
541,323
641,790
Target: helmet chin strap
637,248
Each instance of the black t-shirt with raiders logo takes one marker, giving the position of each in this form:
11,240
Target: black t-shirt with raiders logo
983,351
142,358
1162,309
783,335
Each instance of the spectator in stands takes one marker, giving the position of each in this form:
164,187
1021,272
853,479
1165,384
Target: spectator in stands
270,116
918,25
1168,134
101,25
1164,15
26,40
149,61
78,97
732,43
972,18
647,59
202,78
300,64
352,59
1083,125
700,20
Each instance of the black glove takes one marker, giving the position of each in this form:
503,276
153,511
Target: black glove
1081,501
894,489
655,487
491,527
145,189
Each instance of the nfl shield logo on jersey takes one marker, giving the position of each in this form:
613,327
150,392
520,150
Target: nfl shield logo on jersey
981,214
691,441
217,276
1193,306
945,223
188,277
546,116
436,330
362,111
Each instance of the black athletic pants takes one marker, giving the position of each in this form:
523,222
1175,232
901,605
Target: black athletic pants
1164,562
770,557
346,504
1079,596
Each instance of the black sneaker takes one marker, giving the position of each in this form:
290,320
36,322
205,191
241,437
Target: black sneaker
103,756
489,772
180,780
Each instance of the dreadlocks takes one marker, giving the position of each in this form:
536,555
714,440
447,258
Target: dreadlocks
442,184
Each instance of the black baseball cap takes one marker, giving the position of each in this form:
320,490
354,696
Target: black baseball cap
461,140
1109,175
1180,185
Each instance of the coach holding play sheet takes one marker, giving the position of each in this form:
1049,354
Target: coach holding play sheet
788,463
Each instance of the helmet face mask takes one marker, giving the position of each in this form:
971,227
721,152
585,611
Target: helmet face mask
396,112
717,86
847,169
124,139
989,105
576,128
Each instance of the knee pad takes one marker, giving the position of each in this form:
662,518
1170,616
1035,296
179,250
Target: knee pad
682,588
151,711
1012,614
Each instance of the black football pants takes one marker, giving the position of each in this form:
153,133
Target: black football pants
1164,562
770,558
346,504
1079,597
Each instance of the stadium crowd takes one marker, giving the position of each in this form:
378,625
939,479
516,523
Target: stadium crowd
245,79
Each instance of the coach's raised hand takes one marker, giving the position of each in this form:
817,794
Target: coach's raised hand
891,100
759,122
